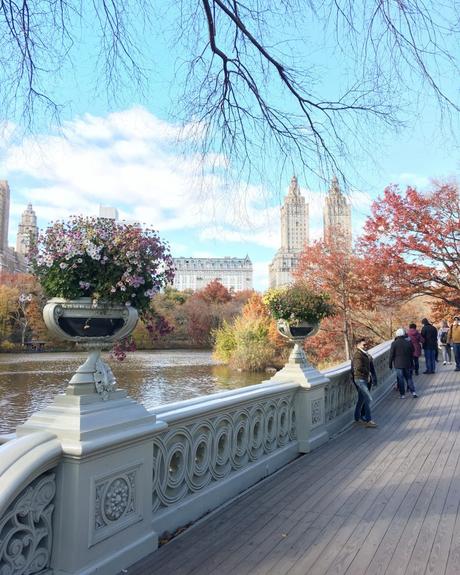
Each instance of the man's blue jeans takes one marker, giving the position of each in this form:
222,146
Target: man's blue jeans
430,360
403,375
364,399
456,347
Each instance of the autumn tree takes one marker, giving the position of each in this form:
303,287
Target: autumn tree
415,237
23,305
250,71
251,342
360,291
214,292
8,305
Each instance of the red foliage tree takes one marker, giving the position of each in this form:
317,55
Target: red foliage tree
215,292
360,291
415,237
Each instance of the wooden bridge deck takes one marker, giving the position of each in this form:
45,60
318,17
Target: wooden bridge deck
371,501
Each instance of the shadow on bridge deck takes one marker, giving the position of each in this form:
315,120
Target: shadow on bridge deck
373,501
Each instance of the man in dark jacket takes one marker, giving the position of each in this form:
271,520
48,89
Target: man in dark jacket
362,368
401,353
430,345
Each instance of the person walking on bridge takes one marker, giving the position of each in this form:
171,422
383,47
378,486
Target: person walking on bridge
454,340
362,370
430,345
444,345
401,353
417,342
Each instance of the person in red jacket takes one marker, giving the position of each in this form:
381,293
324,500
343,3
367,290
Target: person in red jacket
417,342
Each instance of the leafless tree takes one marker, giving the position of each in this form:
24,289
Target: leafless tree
251,80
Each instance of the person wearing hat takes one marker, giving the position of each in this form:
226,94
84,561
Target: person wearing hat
454,340
401,353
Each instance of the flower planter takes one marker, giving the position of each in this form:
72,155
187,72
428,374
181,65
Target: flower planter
298,331
84,321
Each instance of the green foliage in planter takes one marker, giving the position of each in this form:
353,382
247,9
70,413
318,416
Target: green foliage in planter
297,302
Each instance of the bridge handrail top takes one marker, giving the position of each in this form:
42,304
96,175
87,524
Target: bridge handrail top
22,460
203,404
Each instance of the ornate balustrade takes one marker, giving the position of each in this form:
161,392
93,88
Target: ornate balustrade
126,475
215,448
27,503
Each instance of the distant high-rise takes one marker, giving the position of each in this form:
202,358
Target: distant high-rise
27,231
4,214
108,212
10,261
337,216
294,236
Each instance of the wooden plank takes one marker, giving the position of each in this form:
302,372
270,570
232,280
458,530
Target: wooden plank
346,544
401,495
325,513
439,554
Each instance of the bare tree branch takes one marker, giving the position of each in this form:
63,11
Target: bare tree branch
242,82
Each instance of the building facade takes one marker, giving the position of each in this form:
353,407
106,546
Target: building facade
196,273
11,260
294,236
4,214
337,217
108,212
27,231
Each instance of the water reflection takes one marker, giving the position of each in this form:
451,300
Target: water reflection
29,381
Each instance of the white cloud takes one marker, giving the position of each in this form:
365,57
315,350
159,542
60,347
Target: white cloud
410,179
129,160
262,237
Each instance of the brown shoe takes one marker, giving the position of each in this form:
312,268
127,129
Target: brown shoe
371,424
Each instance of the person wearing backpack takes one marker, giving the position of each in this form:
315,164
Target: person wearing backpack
444,345
454,339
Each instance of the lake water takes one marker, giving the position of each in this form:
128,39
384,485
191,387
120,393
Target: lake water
29,381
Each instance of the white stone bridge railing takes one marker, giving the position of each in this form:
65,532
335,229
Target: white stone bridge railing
27,494
87,485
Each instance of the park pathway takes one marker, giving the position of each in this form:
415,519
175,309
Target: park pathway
371,501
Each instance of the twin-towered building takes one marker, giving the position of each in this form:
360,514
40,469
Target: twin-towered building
295,229
196,273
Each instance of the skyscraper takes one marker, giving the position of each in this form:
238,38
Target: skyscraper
337,216
294,236
10,261
4,214
27,231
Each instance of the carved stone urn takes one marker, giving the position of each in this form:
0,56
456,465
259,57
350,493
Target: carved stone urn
88,321
297,367
298,331
93,323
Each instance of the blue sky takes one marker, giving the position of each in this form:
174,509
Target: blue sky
128,154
